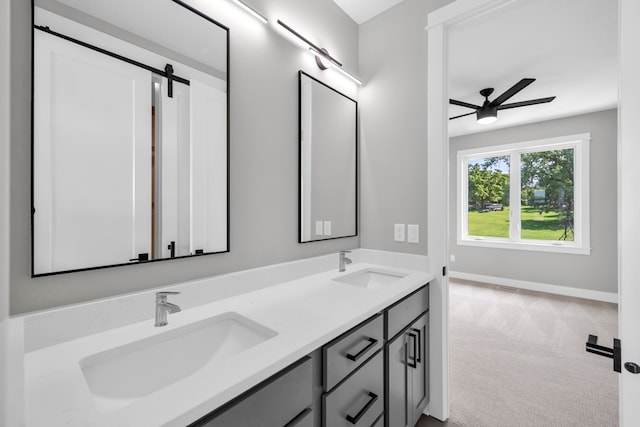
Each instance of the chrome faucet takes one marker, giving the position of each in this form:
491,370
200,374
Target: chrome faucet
163,307
344,260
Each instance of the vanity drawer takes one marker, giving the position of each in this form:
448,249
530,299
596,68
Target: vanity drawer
359,400
277,402
351,350
402,313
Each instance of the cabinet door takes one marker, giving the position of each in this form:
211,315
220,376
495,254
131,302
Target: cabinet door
396,411
419,370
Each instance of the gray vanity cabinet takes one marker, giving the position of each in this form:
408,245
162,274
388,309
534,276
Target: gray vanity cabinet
284,400
374,375
407,353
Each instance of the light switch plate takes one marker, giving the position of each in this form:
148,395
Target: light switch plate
413,233
452,258
319,228
327,228
398,232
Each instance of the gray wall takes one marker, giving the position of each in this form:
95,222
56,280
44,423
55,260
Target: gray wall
597,271
264,150
4,208
393,111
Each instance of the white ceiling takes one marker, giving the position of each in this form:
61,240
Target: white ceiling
569,46
363,10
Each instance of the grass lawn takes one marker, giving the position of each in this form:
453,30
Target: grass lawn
535,226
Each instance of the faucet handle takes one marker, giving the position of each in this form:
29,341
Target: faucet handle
162,296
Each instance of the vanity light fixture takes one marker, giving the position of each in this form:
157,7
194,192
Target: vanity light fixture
251,11
323,58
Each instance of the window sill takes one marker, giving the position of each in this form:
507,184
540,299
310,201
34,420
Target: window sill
526,246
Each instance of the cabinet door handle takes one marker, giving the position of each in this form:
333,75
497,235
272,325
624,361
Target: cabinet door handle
358,355
419,332
413,364
372,399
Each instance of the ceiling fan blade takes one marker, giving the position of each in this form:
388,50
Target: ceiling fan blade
462,115
463,104
512,91
525,103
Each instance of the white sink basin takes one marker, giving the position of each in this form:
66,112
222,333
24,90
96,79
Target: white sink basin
370,278
119,376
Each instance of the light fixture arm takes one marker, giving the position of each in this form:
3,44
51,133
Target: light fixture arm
321,54
316,49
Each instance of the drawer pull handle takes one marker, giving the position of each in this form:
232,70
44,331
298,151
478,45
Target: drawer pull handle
419,332
372,399
358,355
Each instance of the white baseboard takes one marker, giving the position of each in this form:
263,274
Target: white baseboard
539,287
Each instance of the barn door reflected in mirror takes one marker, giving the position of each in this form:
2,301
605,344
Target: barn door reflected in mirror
130,140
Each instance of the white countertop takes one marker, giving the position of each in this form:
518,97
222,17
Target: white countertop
306,313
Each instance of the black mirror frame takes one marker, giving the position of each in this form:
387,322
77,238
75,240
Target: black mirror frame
228,164
356,143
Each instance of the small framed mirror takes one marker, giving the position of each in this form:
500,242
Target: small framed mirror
328,161
130,133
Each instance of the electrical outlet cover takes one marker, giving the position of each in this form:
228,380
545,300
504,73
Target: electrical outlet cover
327,228
398,232
413,233
319,228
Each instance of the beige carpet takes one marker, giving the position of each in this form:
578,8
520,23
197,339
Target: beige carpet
518,359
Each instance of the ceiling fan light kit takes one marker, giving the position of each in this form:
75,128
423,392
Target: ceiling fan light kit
488,112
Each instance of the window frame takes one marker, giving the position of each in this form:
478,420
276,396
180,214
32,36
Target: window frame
580,143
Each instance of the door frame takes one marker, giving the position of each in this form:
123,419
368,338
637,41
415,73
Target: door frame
439,22
5,123
628,205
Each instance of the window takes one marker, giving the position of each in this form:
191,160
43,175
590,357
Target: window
532,195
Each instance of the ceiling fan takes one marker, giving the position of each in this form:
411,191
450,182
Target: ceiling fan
488,112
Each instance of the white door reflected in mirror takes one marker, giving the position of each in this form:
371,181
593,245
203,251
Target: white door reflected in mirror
130,139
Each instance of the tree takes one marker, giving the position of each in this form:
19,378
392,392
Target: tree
551,171
487,183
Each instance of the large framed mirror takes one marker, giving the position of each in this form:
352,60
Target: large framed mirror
130,133
328,162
